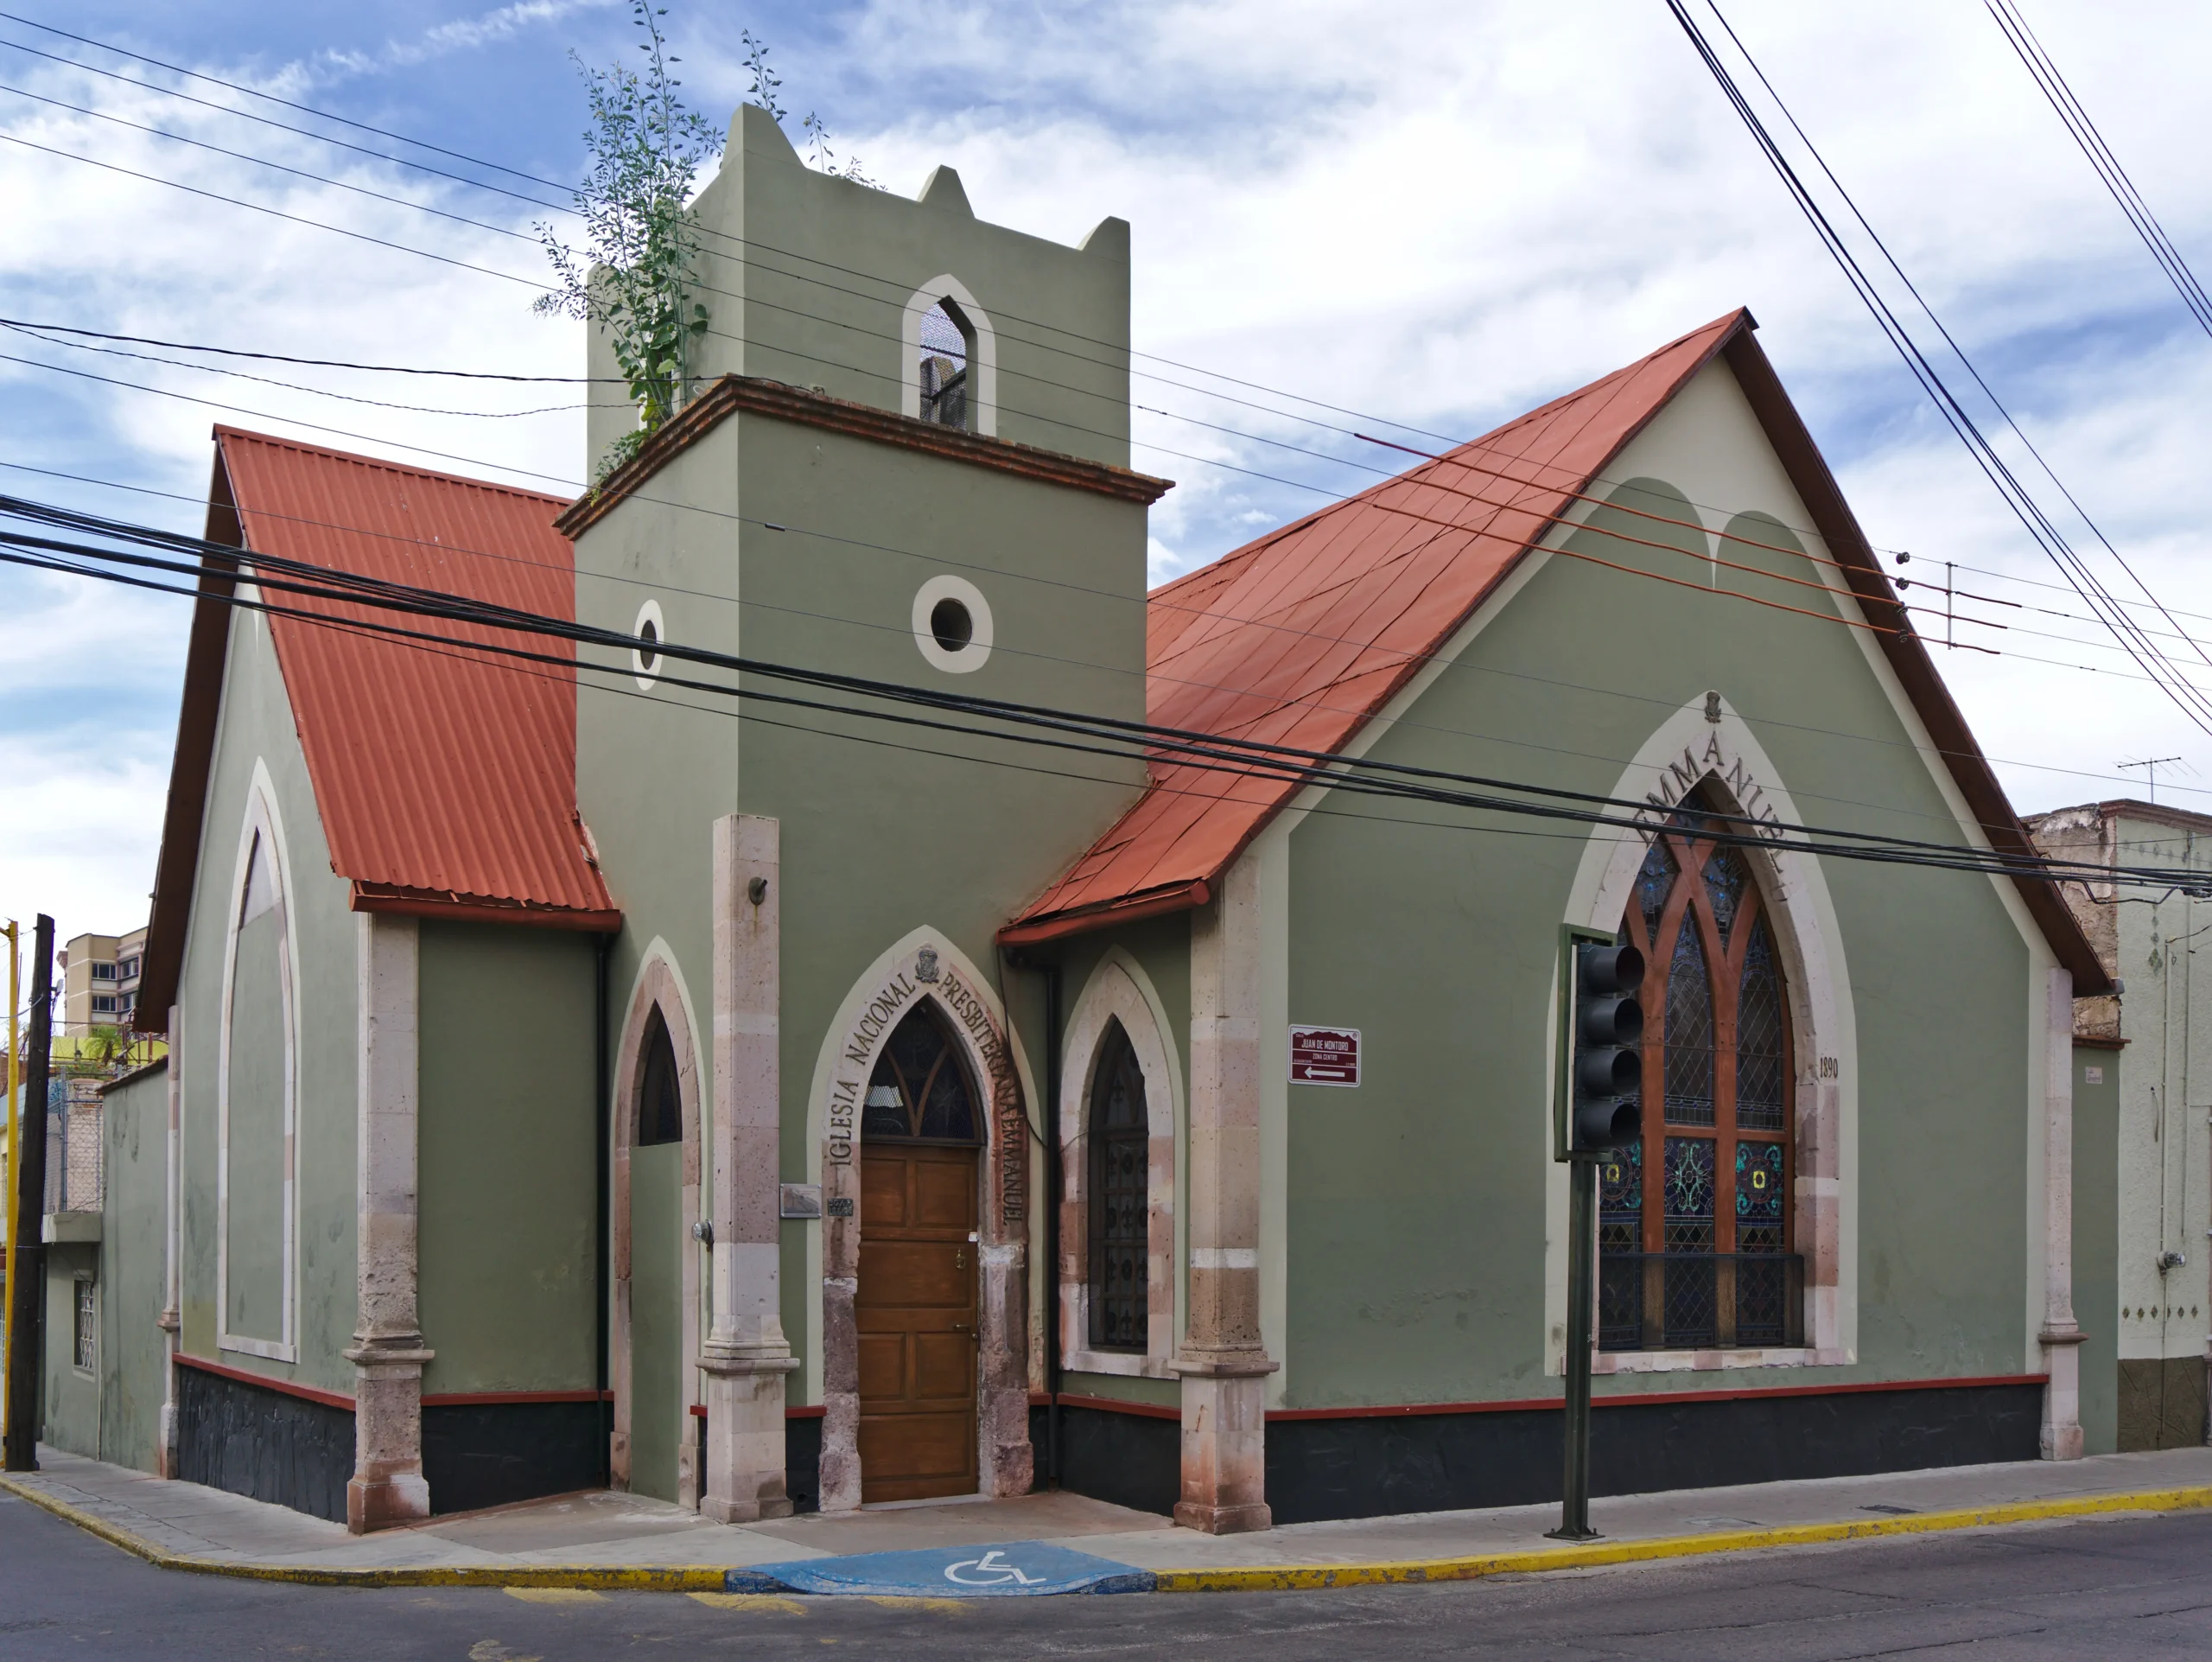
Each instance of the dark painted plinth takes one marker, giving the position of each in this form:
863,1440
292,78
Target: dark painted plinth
1321,1469
1132,1459
803,1463
477,1455
264,1444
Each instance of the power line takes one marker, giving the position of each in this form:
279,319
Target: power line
312,363
2053,85
255,92
1444,524
2192,700
1267,762
940,560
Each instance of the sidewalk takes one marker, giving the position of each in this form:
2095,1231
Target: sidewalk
1061,1543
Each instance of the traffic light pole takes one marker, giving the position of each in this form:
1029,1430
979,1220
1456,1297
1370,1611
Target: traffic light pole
1582,1236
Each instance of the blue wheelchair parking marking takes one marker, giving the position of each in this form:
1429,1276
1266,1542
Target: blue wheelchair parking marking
1009,1570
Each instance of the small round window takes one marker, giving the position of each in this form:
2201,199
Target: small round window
952,624
644,657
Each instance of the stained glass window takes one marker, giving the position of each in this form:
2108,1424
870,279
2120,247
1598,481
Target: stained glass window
1761,1194
661,1098
920,1089
1688,1032
1652,884
1724,887
1695,1222
1120,1196
1760,1099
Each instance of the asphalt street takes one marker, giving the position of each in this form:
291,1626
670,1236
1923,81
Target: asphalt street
2122,1588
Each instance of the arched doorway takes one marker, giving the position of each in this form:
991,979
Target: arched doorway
916,1309
655,1316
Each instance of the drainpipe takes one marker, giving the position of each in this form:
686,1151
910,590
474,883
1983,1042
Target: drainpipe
1054,1180
602,1120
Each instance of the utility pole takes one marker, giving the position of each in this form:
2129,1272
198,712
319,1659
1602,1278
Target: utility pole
26,1266
15,1141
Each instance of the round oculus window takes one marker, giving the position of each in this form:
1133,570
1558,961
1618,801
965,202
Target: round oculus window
644,657
952,624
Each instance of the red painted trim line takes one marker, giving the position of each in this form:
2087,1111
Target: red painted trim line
814,1413
1116,1405
282,1387
470,1398
699,1411
1629,1399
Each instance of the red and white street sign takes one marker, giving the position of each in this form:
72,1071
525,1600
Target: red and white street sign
1324,1055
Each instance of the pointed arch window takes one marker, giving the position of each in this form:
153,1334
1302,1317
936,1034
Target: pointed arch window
1695,1222
1120,1156
660,1094
948,349
921,1090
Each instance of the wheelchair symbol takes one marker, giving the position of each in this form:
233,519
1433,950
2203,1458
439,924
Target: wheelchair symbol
990,1572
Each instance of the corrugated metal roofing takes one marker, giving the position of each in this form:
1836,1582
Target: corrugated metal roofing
1300,638
444,776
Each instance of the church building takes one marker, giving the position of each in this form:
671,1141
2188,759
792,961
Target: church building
734,1083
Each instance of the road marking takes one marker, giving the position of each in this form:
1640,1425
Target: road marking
763,1603
555,1594
990,1572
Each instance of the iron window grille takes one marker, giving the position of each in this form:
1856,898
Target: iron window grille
1121,1201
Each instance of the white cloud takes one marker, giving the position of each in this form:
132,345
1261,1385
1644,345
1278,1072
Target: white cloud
1436,214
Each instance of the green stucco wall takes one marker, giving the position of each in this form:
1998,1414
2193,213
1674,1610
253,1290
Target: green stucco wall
134,1266
1416,1208
2096,1242
508,1175
255,1221
256,724
884,829
70,1398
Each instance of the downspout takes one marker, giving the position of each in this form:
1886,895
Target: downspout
1054,1181
602,1119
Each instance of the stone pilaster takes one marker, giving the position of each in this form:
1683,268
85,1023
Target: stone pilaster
2061,1338
387,1354
1223,1362
745,1355
170,1321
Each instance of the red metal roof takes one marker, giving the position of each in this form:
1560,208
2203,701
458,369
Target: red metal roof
1299,638
446,778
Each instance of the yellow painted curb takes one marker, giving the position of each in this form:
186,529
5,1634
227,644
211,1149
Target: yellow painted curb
1244,1579
653,1578
1287,1578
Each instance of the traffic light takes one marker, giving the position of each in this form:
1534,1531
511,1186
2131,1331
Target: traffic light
1608,1069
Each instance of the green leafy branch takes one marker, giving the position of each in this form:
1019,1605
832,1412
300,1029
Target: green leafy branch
635,274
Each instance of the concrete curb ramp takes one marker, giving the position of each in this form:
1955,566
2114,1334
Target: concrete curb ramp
988,1572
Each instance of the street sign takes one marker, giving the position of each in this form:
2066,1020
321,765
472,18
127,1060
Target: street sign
1324,1056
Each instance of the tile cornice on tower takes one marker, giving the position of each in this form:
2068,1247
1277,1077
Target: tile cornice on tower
753,396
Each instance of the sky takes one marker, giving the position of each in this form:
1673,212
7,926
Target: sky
1435,215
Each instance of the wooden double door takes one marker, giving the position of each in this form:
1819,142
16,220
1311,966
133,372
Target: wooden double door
917,1320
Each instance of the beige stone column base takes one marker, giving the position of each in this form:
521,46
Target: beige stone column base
387,1487
2060,1437
745,1478
1224,1443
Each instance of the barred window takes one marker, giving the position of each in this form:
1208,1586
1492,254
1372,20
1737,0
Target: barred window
948,349
1695,1233
88,1324
1121,1198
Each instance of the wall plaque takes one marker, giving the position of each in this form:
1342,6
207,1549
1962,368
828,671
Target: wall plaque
801,1201
1324,1056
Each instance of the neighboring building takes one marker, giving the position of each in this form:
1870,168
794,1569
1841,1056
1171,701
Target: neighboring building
99,981
643,1085
2139,1041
